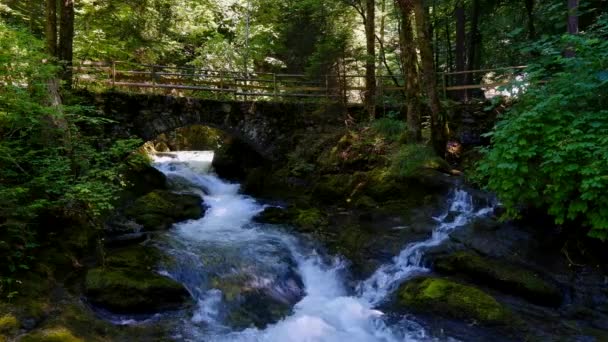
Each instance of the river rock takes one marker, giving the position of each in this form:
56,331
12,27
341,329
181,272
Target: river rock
145,179
501,275
158,210
129,283
451,299
133,291
56,334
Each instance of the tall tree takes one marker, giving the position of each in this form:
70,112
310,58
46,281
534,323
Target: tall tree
51,27
573,16
473,46
409,61
438,125
530,13
461,25
572,24
370,59
66,40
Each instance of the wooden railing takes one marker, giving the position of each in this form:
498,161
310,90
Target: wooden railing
222,84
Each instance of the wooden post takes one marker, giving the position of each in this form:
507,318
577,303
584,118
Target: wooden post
113,74
236,88
327,87
274,85
152,74
445,85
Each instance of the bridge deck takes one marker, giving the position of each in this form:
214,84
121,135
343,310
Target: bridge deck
223,84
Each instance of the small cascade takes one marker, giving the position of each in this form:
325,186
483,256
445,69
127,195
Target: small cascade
409,262
270,263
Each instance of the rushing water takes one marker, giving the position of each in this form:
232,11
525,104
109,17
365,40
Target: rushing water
225,254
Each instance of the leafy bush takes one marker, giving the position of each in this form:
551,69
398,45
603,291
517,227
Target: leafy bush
551,150
48,166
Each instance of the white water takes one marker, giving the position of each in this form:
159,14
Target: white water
328,312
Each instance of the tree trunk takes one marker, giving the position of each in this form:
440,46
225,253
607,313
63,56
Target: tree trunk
448,41
573,16
530,13
572,24
460,47
379,71
409,60
51,27
438,126
370,60
66,40
473,48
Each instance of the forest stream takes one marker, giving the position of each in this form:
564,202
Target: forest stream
227,251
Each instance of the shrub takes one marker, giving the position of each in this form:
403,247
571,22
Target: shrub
551,150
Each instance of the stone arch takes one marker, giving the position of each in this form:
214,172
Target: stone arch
266,127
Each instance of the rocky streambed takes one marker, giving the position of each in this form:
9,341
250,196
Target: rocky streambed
347,252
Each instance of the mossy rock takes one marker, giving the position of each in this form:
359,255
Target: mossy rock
257,309
447,298
333,188
133,291
59,334
158,210
309,220
9,324
506,277
353,242
274,215
380,185
136,257
144,179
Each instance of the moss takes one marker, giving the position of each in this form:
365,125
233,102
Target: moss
381,185
310,219
8,324
159,209
507,277
58,334
132,290
333,188
452,299
137,257
409,159
365,202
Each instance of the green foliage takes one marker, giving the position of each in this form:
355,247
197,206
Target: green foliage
49,168
391,129
551,150
410,159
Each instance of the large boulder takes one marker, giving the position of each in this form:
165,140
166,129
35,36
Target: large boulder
447,298
504,276
129,283
158,210
133,291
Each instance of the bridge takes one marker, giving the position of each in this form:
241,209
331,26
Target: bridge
267,127
261,109
275,87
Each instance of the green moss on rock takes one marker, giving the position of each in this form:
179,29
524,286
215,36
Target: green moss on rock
58,334
309,219
8,324
132,290
333,188
506,277
136,257
444,297
158,210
